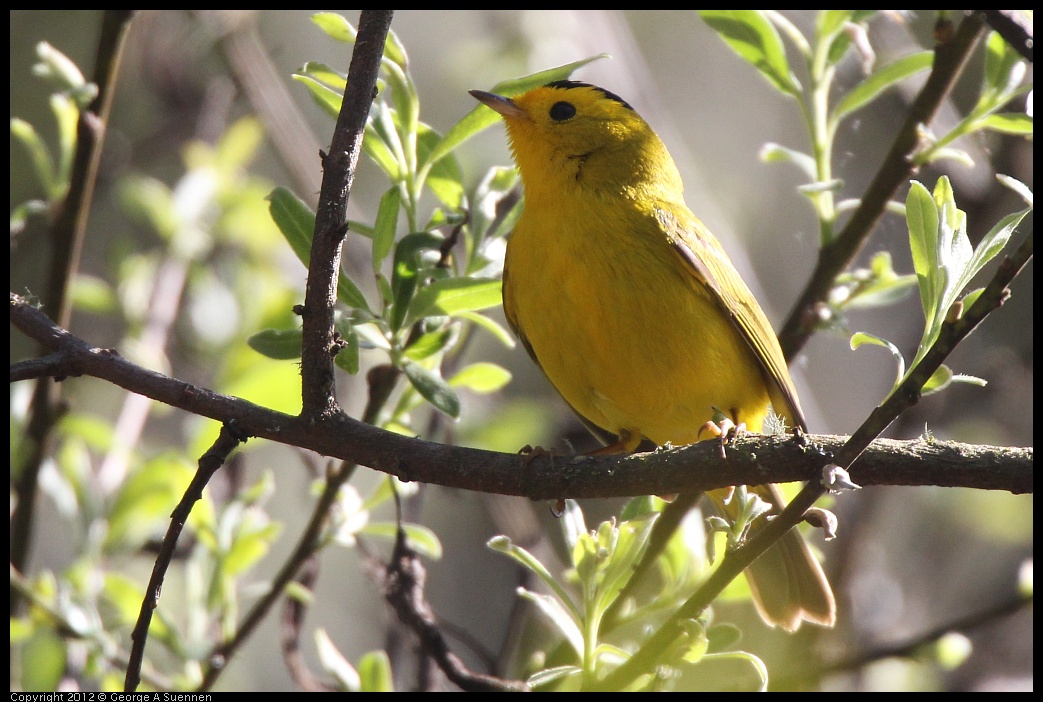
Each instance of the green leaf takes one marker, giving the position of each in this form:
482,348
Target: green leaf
384,287
251,544
922,218
879,81
722,637
404,116
325,75
1016,123
334,662
481,377
142,506
21,213
90,293
860,338
481,117
450,296
969,380
776,153
550,675
349,293
386,225
433,388
295,220
954,248
430,343
501,334
336,26
404,275
445,178
759,669
280,344
559,616
1017,186
421,539
374,146
375,672
395,51
67,116
503,544
939,380
573,524
754,38
123,594
385,123
43,661
39,155
348,357
1003,69
992,243
325,97
629,541
830,26
881,292
57,67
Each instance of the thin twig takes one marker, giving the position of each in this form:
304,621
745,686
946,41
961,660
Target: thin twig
53,365
404,591
67,239
227,440
292,625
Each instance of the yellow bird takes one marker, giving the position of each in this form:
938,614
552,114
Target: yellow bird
632,308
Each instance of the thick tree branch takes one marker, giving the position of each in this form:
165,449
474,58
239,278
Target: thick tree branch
320,344
751,460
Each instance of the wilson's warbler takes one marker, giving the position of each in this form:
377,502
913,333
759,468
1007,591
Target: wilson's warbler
632,308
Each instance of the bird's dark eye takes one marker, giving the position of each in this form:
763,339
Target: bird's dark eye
561,111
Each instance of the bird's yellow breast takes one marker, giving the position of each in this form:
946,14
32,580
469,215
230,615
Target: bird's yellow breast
624,331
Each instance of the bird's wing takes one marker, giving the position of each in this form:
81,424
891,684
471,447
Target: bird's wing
703,255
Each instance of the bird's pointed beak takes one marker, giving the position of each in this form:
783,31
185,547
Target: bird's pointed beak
505,106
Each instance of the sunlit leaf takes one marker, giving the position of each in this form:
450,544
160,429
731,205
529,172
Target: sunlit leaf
452,295
325,97
879,81
334,662
481,377
386,225
755,39
1016,123
375,672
